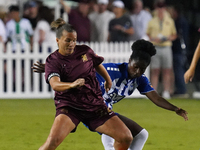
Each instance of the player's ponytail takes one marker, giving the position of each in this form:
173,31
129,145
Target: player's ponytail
61,25
142,50
57,23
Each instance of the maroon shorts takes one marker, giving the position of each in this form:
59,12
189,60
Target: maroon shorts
92,119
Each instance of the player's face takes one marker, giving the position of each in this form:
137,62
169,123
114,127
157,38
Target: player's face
136,68
67,43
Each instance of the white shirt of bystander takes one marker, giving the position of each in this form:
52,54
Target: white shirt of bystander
140,22
100,23
19,32
45,27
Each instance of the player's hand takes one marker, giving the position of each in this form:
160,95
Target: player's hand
78,83
107,86
188,76
182,113
38,67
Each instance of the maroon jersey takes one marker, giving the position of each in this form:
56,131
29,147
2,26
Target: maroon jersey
80,64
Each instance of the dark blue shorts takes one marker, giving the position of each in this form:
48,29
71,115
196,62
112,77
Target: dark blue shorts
92,119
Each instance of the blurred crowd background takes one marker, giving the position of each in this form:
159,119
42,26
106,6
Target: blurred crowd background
28,21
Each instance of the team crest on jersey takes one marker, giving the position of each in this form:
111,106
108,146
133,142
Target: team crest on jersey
84,58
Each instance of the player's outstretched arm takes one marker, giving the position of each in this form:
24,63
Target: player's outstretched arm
161,102
189,74
38,67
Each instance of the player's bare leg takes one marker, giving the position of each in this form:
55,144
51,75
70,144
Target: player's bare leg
62,126
115,128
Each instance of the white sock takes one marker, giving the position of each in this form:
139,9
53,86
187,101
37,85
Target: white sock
137,143
139,140
108,142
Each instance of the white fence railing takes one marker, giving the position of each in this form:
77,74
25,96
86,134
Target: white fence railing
18,81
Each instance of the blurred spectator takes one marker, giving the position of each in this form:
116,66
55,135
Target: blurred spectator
3,37
100,21
18,29
179,51
3,14
78,17
140,19
93,6
155,11
120,28
161,31
31,13
3,40
43,32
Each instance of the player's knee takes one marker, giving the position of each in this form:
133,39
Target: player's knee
127,138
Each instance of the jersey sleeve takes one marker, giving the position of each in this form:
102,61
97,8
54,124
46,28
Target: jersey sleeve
144,85
97,60
51,69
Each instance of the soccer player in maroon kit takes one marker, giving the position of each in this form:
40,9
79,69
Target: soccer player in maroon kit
71,72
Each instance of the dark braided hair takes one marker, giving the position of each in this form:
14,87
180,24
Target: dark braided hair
142,50
61,25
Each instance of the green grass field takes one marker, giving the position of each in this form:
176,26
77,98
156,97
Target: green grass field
25,125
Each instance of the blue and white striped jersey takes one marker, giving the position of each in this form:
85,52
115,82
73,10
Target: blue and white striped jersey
121,85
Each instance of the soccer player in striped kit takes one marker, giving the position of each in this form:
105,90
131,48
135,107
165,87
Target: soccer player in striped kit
126,77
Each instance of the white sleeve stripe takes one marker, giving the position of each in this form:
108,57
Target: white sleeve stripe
112,69
52,75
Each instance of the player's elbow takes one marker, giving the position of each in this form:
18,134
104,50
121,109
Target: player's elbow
57,88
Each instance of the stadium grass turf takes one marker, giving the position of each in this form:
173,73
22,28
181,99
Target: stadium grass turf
25,125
